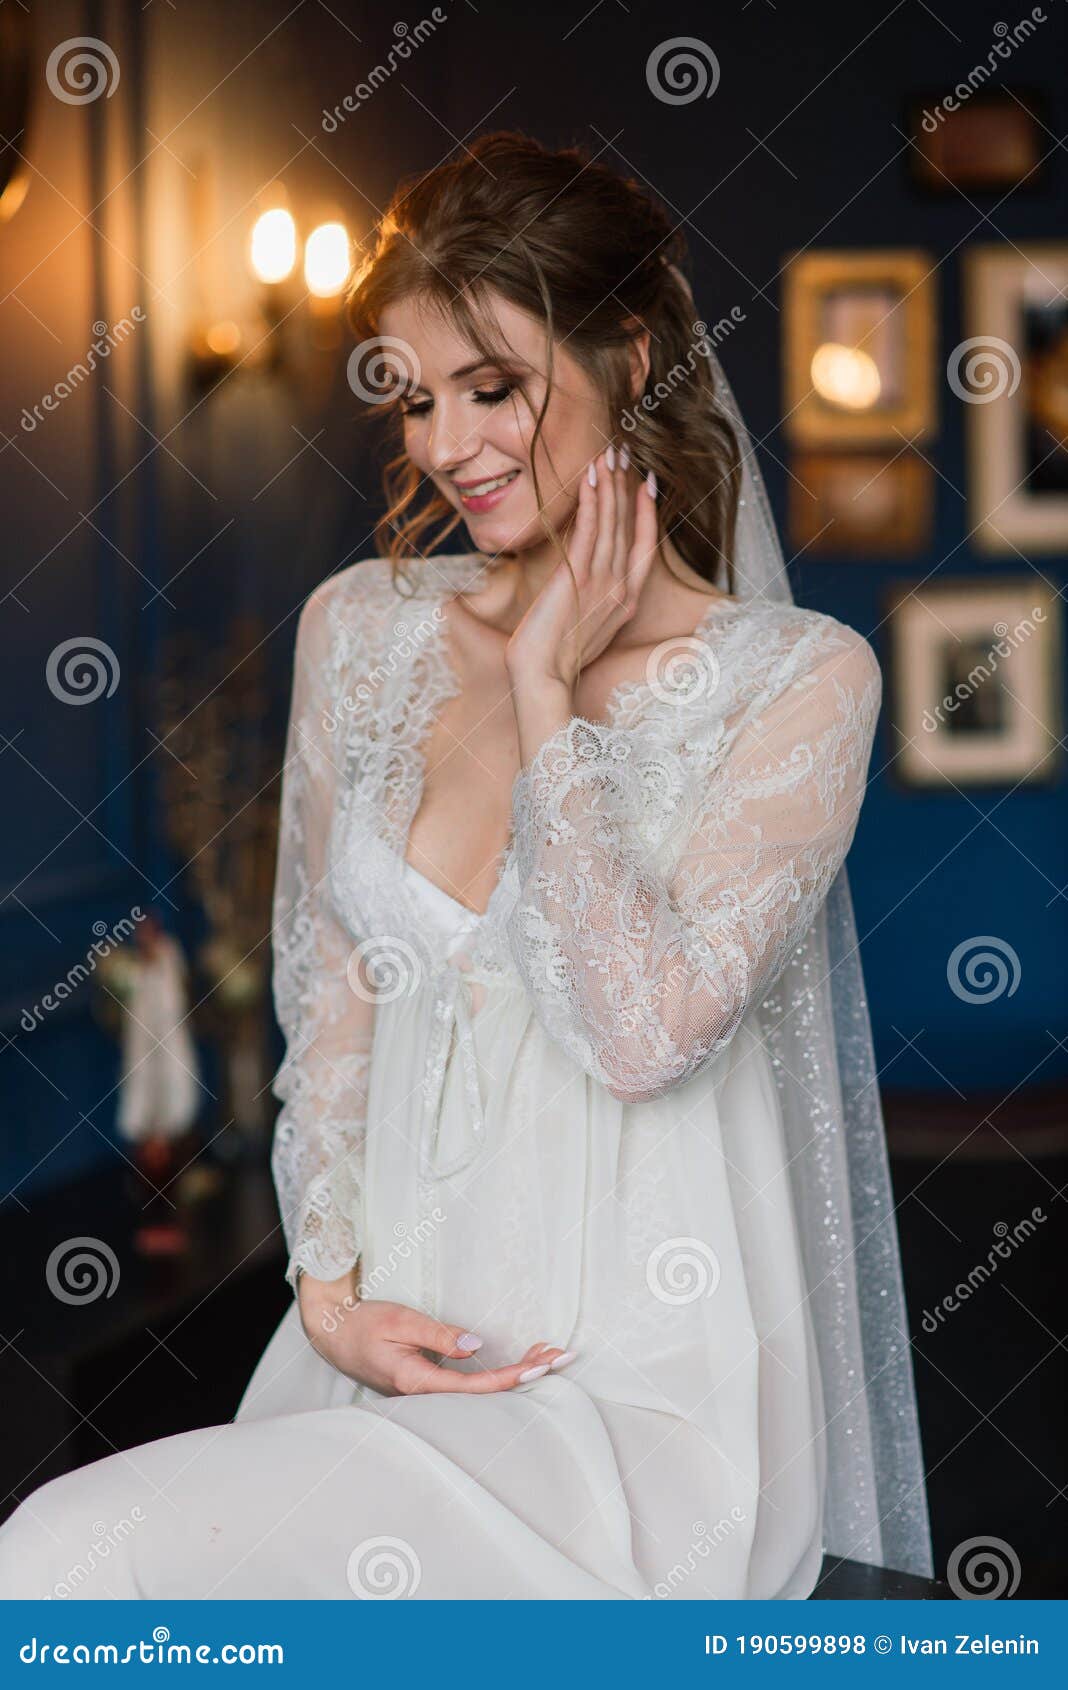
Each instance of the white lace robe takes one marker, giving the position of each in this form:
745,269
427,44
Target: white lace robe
574,1134
663,865
560,1121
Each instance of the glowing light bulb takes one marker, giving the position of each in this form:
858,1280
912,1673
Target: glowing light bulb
273,249
327,260
846,376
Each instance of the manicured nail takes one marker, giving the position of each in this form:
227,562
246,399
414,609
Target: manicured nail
650,485
469,1341
562,1361
624,458
533,1373
591,474
610,456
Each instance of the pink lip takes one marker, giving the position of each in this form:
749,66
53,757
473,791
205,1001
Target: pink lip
486,501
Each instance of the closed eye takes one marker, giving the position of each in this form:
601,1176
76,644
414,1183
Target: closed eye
482,396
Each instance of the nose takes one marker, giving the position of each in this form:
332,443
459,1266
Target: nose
452,439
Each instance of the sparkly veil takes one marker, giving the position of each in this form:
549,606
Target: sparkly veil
816,1028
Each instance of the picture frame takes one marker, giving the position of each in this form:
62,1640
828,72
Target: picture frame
863,504
860,348
1011,374
975,681
990,143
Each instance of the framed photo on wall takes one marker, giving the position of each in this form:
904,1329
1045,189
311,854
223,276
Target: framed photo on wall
989,144
975,682
1011,374
863,504
860,348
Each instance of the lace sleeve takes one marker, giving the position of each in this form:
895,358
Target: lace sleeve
645,975
322,1002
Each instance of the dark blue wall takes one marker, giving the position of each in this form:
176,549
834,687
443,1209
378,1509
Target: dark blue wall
801,146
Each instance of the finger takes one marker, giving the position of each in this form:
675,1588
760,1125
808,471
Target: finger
542,1352
646,533
624,519
632,482
425,1333
604,544
584,531
416,1374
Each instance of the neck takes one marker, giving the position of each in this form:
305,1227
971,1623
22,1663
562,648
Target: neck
520,577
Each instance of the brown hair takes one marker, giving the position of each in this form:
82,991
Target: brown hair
590,255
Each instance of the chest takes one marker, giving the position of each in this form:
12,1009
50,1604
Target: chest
469,760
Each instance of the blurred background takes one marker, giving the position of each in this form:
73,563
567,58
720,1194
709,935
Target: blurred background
875,199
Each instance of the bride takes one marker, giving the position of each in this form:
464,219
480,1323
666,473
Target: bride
580,1160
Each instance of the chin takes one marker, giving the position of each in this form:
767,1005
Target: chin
491,536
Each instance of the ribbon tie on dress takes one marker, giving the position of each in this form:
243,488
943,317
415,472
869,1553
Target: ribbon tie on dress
451,1020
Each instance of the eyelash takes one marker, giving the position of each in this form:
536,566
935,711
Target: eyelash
495,396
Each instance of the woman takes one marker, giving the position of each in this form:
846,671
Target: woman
580,1161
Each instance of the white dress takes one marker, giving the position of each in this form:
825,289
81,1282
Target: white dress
556,1121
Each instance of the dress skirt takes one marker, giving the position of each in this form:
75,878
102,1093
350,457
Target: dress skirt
680,1455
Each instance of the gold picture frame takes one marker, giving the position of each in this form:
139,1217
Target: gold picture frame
861,504
860,347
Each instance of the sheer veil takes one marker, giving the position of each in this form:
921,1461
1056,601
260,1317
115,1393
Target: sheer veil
816,1027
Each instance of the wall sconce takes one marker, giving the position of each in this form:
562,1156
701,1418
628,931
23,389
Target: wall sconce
282,314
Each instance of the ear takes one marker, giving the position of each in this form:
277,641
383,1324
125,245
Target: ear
638,349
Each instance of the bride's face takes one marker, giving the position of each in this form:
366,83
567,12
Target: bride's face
467,423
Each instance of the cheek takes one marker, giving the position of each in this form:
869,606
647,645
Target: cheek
568,442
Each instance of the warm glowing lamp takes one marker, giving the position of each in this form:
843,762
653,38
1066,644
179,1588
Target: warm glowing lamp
327,260
273,248
846,376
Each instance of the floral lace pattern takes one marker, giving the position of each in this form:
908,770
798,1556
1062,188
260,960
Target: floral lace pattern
663,864
642,953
